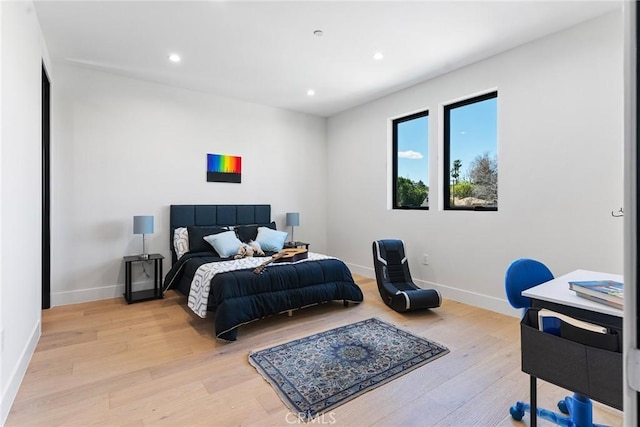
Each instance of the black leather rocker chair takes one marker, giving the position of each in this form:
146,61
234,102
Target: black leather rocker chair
394,279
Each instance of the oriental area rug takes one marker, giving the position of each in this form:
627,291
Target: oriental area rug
314,374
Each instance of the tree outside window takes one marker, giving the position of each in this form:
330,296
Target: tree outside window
470,154
410,161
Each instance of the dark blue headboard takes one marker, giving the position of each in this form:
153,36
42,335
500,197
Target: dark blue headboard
221,215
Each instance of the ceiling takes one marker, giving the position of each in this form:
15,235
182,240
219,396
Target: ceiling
266,52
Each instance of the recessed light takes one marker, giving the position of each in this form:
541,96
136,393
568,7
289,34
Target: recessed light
378,56
174,57
311,92
318,33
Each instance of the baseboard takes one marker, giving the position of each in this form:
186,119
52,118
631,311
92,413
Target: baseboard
15,379
94,294
361,270
461,295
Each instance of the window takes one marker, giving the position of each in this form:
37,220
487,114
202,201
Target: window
410,162
471,154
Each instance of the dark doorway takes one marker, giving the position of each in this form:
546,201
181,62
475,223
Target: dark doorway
46,193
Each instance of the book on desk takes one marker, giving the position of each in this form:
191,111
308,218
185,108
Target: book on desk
608,292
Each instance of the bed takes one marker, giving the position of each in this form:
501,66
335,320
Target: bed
234,292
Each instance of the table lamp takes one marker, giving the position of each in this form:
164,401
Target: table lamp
293,220
143,224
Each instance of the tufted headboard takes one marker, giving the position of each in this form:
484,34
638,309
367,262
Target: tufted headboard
211,215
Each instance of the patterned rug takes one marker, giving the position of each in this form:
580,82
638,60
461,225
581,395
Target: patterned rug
317,373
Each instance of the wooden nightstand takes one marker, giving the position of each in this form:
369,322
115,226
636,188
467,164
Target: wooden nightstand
288,245
147,294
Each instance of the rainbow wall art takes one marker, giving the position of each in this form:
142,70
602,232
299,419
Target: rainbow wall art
223,168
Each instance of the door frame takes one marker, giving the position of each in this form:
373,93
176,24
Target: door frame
46,189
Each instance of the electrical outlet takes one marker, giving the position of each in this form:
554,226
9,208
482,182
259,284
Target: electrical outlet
425,259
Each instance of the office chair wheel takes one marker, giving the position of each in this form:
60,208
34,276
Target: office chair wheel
517,411
562,406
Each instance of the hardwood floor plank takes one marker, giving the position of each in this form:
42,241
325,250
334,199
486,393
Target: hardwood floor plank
39,398
423,411
146,403
61,412
107,363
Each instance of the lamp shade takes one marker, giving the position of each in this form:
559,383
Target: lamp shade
293,219
143,224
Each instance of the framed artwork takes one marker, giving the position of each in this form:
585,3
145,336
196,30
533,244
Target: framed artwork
224,168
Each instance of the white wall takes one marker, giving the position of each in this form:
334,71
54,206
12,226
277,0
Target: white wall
123,147
20,192
560,153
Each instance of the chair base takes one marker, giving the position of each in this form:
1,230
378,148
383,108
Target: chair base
578,408
414,299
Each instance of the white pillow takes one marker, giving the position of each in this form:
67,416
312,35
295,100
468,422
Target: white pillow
226,243
180,241
271,240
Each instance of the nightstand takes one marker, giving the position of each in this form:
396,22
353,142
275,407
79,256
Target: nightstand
146,294
288,245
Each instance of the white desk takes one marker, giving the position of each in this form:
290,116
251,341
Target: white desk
556,295
557,291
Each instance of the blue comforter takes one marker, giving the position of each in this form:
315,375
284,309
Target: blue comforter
239,297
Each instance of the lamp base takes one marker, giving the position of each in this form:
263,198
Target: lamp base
143,256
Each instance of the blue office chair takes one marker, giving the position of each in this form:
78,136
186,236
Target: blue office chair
522,274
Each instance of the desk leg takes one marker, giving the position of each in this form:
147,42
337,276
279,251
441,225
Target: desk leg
158,277
127,281
533,395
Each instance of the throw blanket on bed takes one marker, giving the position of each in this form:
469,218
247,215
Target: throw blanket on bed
201,283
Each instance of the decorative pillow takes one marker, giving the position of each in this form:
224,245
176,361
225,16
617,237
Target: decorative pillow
196,235
271,240
180,241
226,243
247,233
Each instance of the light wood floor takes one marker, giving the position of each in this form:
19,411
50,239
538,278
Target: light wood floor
155,363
